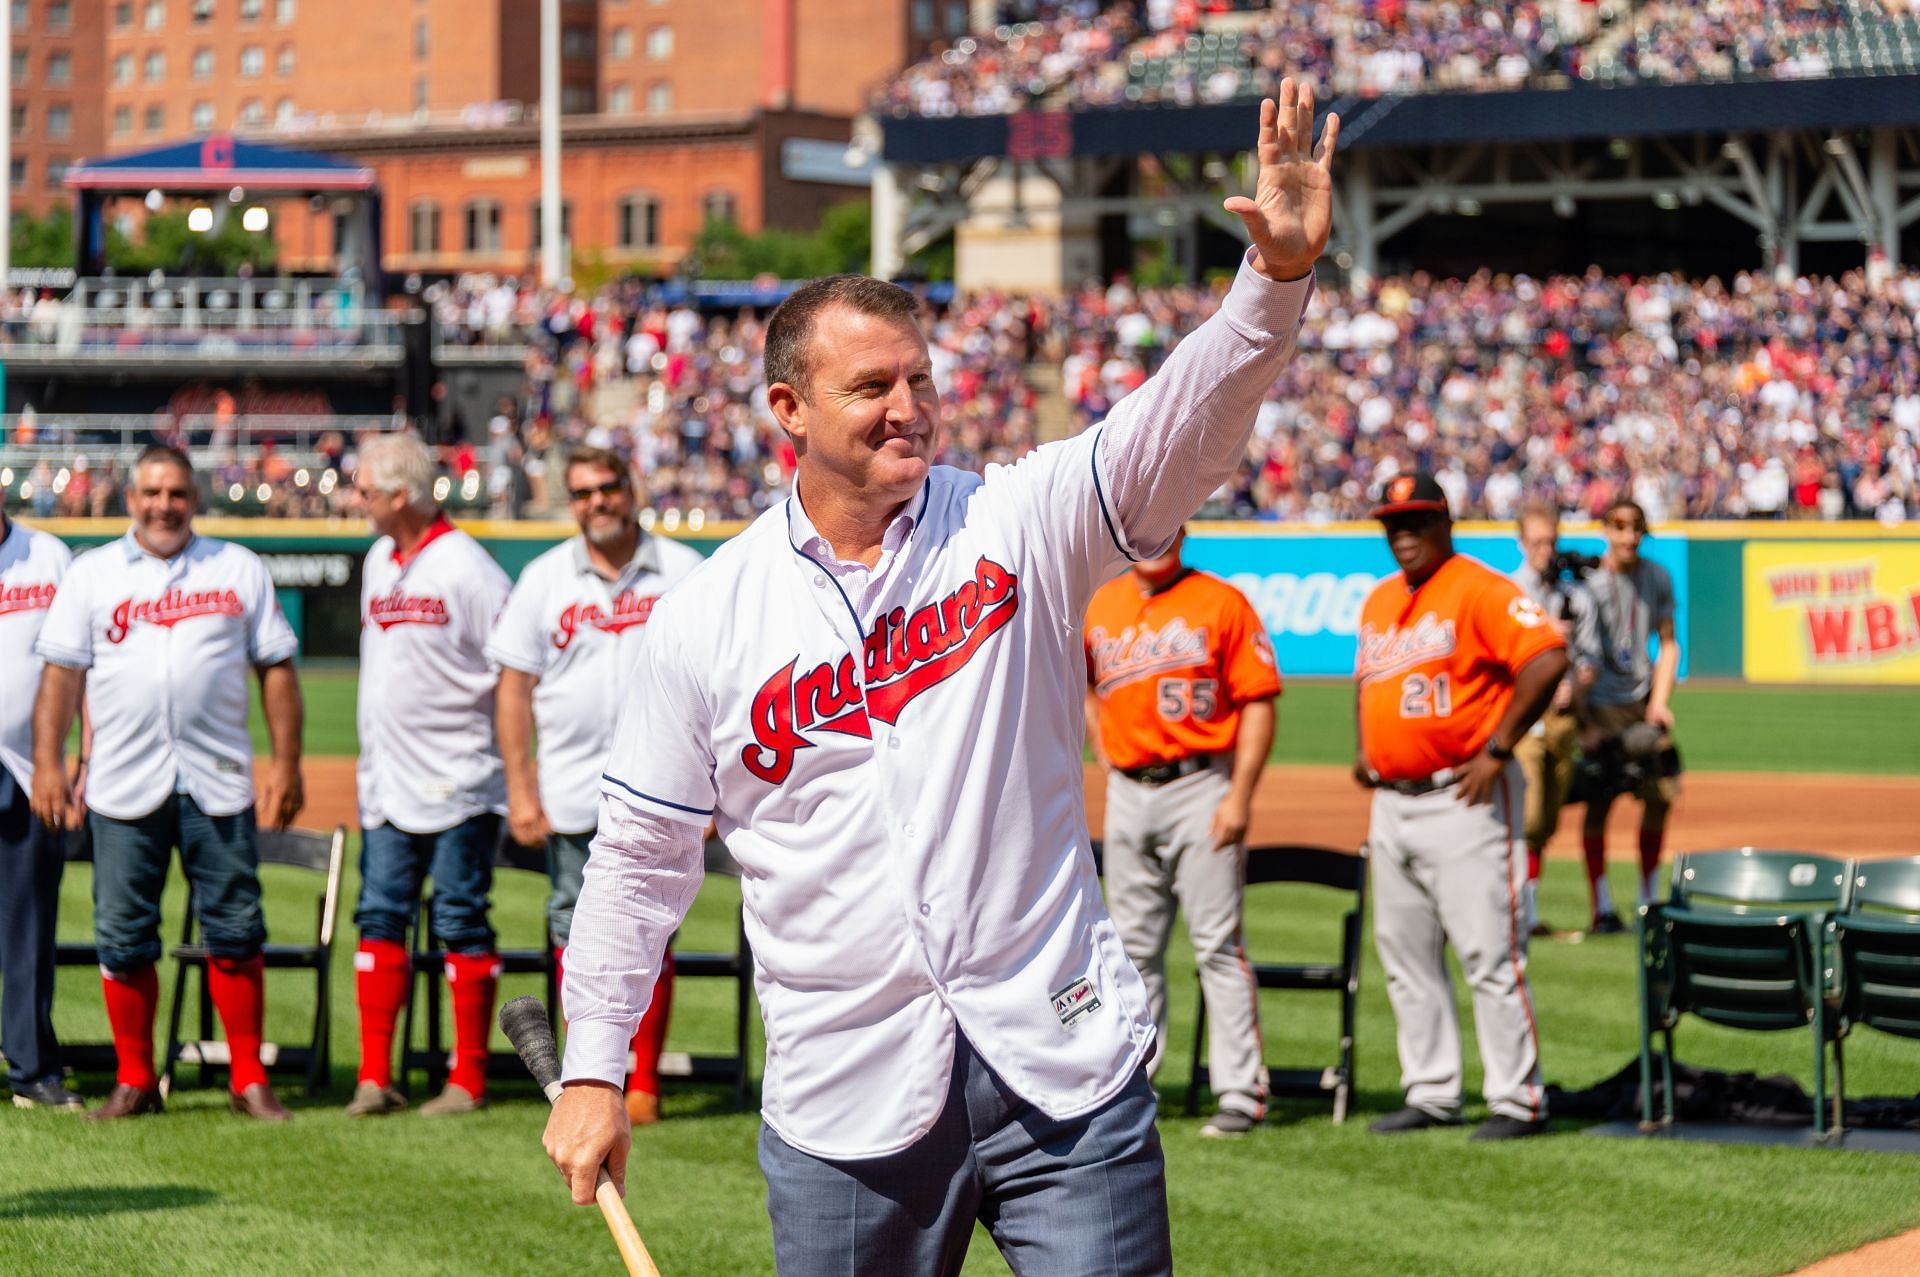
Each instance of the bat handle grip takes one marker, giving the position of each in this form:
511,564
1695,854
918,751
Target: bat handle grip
625,1235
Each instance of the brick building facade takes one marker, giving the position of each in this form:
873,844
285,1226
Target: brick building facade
57,110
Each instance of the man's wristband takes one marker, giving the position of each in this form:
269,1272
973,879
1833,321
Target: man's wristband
1498,751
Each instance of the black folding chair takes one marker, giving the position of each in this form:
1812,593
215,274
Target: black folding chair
81,1057
1316,866
736,966
309,849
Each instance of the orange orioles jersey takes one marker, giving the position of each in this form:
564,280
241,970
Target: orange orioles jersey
1171,670
1436,665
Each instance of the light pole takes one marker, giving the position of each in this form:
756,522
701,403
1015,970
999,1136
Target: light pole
551,268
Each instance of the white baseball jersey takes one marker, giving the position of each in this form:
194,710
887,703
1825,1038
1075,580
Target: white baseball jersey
167,645
31,565
576,632
428,759
894,759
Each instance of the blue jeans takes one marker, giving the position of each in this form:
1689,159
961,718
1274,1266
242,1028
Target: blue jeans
393,863
1080,1198
30,867
130,858
566,869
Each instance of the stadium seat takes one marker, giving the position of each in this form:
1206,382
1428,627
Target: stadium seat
310,849
1741,943
1875,946
429,957
1342,872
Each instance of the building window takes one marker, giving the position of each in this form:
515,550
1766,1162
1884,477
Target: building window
122,119
577,42
250,10
717,206
956,18
923,17
59,121
123,15
660,42
18,121
156,67
423,227
20,69
202,65
154,16
59,68
122,68
482,230
203,11
420,44
17,171
59,15
620,42
659,97
283,60
56,172
576,99
420,93
566,225
252,113
202,117
620,99
283,111
155,119
283,11
253,61
21,13
636,222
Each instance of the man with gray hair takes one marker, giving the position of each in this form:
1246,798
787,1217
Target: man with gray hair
432,791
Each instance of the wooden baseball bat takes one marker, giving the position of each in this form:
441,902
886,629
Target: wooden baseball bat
524,1021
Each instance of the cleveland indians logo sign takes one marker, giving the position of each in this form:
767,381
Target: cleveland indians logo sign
904,656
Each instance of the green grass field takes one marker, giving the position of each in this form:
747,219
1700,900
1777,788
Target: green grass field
197,1191
1721,727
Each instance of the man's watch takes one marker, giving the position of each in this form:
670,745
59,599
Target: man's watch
1496,750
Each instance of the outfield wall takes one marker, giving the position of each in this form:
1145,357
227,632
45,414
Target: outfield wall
1765,602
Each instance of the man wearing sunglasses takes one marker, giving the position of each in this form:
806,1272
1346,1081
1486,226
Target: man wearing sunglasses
1624,708
563,644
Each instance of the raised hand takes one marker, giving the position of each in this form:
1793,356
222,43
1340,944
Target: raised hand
1291,212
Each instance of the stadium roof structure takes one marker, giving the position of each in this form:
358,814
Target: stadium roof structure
217,162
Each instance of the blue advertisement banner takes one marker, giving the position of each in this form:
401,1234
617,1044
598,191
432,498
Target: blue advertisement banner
1308,588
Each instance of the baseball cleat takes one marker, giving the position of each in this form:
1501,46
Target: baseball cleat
50,1093
1409,1119
370,1099
1608,924
1501,1127
128,1101
258,1102
454,1101
1229,1124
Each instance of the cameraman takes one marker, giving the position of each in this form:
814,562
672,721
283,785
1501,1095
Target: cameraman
1621,686
1551,578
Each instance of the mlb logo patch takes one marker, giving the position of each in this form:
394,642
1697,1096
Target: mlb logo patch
1074,1001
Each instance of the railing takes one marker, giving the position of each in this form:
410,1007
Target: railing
209,318
62,436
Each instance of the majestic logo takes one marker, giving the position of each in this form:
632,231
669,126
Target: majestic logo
172,608
26,598
1397,649
1139,652
629,610
903,655
406,609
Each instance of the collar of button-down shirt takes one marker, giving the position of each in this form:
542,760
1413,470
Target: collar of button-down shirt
646,558
860,583
440,526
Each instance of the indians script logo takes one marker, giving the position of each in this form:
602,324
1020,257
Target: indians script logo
26,598
1396,649
1139,652
629,610
904,655
172,608
406,609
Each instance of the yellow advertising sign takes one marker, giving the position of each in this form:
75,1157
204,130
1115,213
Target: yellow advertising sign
1826,612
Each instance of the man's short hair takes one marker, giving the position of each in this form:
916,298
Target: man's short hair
166,454
399,463
1538,511
1627,503
596,458
788,356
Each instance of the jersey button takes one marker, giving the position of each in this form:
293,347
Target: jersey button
819,581
925,909
907,830
893,742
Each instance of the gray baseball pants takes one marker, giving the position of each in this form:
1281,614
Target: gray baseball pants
1159,854
1446,873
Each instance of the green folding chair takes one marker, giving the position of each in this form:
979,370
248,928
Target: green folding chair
1875,941
1741,943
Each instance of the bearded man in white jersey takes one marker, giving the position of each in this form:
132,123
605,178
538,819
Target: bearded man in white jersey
874,693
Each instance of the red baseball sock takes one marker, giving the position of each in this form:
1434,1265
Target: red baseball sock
651,1037
380,985
1534,856
560,980
471,977
132,997
238,986
1651,841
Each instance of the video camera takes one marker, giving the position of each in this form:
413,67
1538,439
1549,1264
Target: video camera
1622,764
1570,565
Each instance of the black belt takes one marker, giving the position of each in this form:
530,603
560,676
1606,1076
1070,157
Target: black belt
1164,773
1423,784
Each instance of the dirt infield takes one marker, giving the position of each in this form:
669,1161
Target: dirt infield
1842,815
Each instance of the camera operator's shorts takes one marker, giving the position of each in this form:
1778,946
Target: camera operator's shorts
1612,721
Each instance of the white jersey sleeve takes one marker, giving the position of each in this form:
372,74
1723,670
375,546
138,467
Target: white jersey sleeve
662,762
66,637
519,640
270,640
